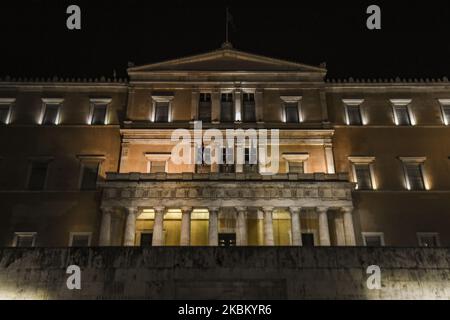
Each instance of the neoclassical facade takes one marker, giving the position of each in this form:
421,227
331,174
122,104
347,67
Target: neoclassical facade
359,162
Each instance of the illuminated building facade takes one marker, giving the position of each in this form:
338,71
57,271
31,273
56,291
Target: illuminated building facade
87,163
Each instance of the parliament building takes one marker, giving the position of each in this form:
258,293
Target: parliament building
88,162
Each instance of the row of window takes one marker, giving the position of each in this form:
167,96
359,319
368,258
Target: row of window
50,115
424,239
362,168
83,239
401,111
412,168
51,111
38,172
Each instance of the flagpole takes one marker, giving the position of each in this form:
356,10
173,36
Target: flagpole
226,26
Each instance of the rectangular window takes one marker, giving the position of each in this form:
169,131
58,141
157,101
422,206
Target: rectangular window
354,115
89,175
157,166
24,239
4,113
51,114
250,160
373,239
446,114
227,165
80,239
38,175
296,167
162,112
204,156
226,107
428,239
249,107
99,114
363,176
401,115
291,110
414,177
204,107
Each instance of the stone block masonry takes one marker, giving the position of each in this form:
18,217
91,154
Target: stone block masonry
225,273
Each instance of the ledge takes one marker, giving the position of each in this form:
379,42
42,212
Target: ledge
189,176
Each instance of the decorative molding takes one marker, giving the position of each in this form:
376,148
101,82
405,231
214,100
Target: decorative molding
400,102
413,159
352,102
291,99
361,159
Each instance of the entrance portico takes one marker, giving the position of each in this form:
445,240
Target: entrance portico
265,212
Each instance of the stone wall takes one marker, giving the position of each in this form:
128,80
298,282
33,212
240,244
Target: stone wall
225,273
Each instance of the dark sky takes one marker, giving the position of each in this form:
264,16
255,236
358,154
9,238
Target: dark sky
414,40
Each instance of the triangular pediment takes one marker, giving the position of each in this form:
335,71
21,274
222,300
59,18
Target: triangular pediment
227,59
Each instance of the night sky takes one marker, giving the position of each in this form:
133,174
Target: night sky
414,40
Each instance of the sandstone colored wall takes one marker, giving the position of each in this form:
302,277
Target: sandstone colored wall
225,273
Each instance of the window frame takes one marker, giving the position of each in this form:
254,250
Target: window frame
210,105
84,159
296,157
243,119
286,100
161,99
99,101
47,160
373,234
51,101
444,103
435,234
363,160
233,106
76,233
159,157
17,234
354,103
415,160
7,103
397,103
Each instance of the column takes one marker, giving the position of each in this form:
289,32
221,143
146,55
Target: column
329,158
241,226
158,234
213,226
185,239
237,105
324,232
296,232
339,228
348,226
105,228
268,226
130,227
